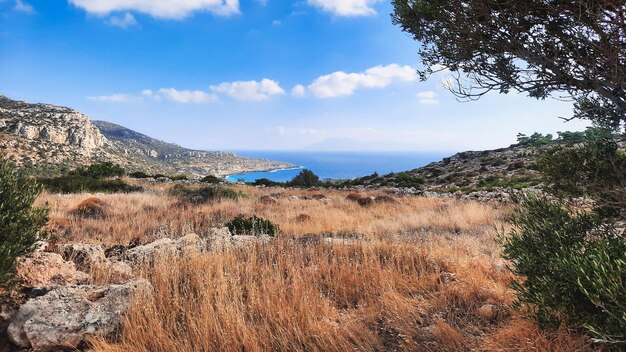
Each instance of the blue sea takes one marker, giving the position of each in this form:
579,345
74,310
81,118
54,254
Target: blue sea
337,165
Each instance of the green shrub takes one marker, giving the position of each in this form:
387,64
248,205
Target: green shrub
138,174
77,183
178,177
211,179
254,225
20,221
306,178
573,267
267,182
106,169
205,194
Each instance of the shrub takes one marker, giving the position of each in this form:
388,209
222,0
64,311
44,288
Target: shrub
254,225
106,169
306,178
138,174
205,194
573,265
405,179
267,182
78,183
178,177
20,221
211,179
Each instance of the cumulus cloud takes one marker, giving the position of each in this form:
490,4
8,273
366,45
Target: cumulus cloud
125,21
427,98
183,96
345,7
341,83
298,90
24,7
170,9
249,90
113,98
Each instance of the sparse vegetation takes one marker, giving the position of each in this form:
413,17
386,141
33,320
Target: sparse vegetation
205,194
253,225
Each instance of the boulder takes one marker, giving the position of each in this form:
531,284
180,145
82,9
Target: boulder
149,252
48,269
62,318
84,256
218,239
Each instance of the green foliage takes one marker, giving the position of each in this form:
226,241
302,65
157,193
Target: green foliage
306,178
94,178
78,183
267,182
595,169
20,221
254,225
106,169
534,140
138,174
178,177
405,179
211,179
487,44
205,194
573,265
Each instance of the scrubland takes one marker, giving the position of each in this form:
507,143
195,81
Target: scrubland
400,273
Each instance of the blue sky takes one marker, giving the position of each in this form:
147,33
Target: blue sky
251,75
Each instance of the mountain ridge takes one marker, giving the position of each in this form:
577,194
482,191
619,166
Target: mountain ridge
46,138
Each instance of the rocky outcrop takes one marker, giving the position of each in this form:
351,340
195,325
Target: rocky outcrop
62,318
41,269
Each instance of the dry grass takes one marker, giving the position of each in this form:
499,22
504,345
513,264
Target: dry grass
415,282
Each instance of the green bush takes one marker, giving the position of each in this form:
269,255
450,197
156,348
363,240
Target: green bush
138,174
178,177
254,225
211,179
20,221
78,183
205,194
306,178
106,169
267,182
573,267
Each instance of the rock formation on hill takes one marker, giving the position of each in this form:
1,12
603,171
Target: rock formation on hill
48,138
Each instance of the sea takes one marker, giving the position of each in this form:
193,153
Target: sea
337,165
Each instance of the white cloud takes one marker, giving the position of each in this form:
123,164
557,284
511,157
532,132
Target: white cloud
249,90
113,98
341,83
171,9
298,90
277,22
183,96
126,21
24,7
345,7
427,98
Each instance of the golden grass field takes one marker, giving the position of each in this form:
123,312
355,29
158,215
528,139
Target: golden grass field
423,275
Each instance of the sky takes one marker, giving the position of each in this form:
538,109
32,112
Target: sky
252,75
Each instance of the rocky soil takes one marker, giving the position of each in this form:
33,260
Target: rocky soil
62,306
47,139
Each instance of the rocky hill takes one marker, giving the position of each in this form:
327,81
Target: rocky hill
47,139
470,171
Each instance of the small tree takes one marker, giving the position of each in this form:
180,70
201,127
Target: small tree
306,178
20,221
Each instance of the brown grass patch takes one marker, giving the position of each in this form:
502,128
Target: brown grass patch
90,208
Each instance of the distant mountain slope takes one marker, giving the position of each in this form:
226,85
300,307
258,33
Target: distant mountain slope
514,166
48,138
